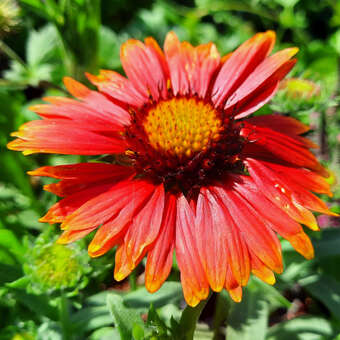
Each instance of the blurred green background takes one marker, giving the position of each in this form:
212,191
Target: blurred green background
48,291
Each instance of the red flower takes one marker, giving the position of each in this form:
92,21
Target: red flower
188,171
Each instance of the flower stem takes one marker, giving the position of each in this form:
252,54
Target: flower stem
221,313
189,319
10,53
64,316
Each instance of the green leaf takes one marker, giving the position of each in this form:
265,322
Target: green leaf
39,304
154,322
248,317
105,333
326,289
138,332
109,46
90,318
269,293
141,298
328,245
124,318
41,45
49,331
302,328
9,241
9,273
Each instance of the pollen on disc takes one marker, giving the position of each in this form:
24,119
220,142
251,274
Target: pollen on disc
182,126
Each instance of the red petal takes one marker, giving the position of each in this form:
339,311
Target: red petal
59,211
122,264
65,137
194,282
298,194
260,239
145,225
280,146
191,68
240,64
77,177
142,65
275,218
99,105
280,221
282,124
212,239
159,261
275,190
118,87
103,207
82,171
268,73
114,229
235,246
259,269
302,244
303,177
231,285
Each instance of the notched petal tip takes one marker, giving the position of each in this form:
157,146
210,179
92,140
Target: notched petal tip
302,244
63,239
153,285
120,275
236,294
76,88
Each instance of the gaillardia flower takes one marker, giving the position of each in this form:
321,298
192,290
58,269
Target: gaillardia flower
185,168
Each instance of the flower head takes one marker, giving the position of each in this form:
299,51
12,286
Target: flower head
9,16
52,266
297,88
187,169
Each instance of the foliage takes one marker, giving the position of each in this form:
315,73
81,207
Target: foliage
69,296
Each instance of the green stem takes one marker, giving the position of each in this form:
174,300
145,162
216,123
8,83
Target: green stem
189,320
64,317
221,314
11,54
133,281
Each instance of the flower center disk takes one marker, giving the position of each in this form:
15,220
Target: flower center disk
184,143
182,127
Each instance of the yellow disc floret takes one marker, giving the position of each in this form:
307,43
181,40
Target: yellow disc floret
182,126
